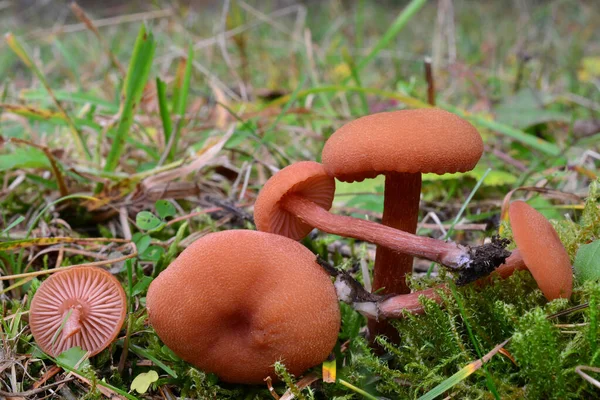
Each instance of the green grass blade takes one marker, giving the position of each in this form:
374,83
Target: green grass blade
505,130
461,212
97,381
409,11
293,96
71,61
20,51
135,81
520,136
71,97
359,27
356,78
146,354
181,98
461,374
357,390
161,93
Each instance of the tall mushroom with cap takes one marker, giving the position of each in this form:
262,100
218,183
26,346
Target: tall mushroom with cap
297,199
402,145
539,250
235,302
82,306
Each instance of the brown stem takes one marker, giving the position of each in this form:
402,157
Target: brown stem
397,306
449,254
73,324
400,211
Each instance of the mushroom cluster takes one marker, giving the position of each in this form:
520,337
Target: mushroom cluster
402,145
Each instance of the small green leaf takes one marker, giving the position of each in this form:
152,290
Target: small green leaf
165,209
142,382
23,157
142,243
153,253
72,358
587,262
141,286
148,221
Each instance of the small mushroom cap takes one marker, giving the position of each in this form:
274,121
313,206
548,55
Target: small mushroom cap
410,141
542,250
235,302
305,178
91,294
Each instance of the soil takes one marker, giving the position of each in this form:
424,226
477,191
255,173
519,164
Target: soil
485,259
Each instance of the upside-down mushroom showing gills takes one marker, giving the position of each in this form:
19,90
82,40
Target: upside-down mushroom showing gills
83,306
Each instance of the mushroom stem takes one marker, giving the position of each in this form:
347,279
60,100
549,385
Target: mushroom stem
400,211
73,323
397,306
449,254
380,307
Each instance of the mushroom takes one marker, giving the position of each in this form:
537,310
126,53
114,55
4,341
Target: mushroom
296,199
235,302
539,250
402,145
82,306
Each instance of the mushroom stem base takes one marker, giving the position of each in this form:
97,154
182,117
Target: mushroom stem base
381,307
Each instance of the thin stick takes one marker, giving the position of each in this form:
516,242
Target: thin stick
430,81
79,13
33,392
91,264
100,23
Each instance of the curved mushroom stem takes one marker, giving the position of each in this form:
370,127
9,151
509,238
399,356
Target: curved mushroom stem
451,255
73,323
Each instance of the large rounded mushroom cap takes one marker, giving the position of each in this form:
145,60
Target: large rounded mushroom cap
542,251
305,178
412,141
235,302
88,302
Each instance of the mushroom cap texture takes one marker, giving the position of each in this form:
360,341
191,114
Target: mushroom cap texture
235,302
305,178
101,301
411,141
542,250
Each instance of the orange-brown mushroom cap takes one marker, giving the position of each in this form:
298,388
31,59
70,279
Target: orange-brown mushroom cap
305,178
88,302
235,302
422,140
542,250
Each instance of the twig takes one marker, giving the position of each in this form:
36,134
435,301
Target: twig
79,13
62,187
33,392
430,81
100,23
580,368
133,254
